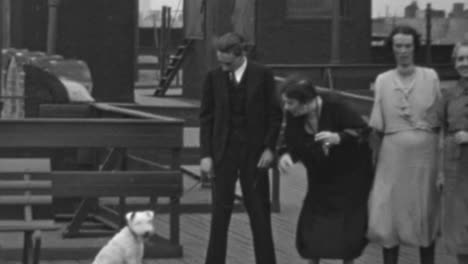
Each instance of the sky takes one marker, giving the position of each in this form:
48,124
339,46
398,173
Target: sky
396,7
157,4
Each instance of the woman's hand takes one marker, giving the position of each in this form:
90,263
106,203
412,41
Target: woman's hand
327,137
285,162
440,181
461,137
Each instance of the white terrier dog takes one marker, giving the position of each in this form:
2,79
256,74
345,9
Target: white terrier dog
127,246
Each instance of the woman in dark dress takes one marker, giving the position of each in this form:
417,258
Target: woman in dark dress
329,138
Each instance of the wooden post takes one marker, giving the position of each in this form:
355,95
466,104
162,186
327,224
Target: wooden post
6,24
52,26
428,33
168,29
5,41
137,40
335,32
163,40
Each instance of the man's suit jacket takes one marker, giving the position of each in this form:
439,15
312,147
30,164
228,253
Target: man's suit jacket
263,112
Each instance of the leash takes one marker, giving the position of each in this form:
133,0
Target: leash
184,193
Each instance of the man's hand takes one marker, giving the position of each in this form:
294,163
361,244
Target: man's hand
461,137
206,166
285,162
266,159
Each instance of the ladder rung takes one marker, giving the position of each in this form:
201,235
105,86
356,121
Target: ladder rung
175,57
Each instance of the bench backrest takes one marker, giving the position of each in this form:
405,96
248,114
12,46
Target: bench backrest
25,197
117,183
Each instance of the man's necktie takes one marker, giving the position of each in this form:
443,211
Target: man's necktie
232,78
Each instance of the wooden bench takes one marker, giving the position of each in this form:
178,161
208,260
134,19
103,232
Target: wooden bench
114,131
122,184
26,204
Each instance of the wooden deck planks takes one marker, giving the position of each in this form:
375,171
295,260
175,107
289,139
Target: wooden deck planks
195,231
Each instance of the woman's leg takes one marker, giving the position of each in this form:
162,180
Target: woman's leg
390,255
426,254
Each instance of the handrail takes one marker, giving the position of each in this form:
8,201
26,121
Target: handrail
131,113
342,65
327,90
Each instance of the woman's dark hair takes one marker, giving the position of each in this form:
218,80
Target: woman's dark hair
406,30
298,87
230,42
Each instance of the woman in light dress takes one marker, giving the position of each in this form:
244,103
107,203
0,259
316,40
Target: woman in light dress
455,217
404,201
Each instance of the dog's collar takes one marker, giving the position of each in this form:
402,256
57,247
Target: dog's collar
133,233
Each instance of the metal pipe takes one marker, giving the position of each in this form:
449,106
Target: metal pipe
335,32
52,26
6,23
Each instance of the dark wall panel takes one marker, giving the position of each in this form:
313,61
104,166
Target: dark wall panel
203,57
100,32
282,40
29,24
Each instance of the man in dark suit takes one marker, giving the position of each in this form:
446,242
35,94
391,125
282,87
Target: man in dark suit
240,118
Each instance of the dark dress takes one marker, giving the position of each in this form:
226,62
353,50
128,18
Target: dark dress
333,219
455,192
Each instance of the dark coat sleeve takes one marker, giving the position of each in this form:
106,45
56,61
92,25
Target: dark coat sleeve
291,132
344,120
274,111
207,117
351,126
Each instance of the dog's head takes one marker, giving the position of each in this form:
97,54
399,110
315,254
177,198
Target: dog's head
141,223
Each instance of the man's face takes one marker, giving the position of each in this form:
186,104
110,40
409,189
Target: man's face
403,49
228,61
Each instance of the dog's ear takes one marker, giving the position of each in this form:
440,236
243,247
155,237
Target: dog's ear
129,216
150,214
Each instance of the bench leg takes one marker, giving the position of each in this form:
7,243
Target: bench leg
174,219
86,206
275,191
122,211
27,247
37,239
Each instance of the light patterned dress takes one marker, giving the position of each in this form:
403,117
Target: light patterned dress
404,202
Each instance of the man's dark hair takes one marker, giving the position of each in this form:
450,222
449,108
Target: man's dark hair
300,88
406,30
230,42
